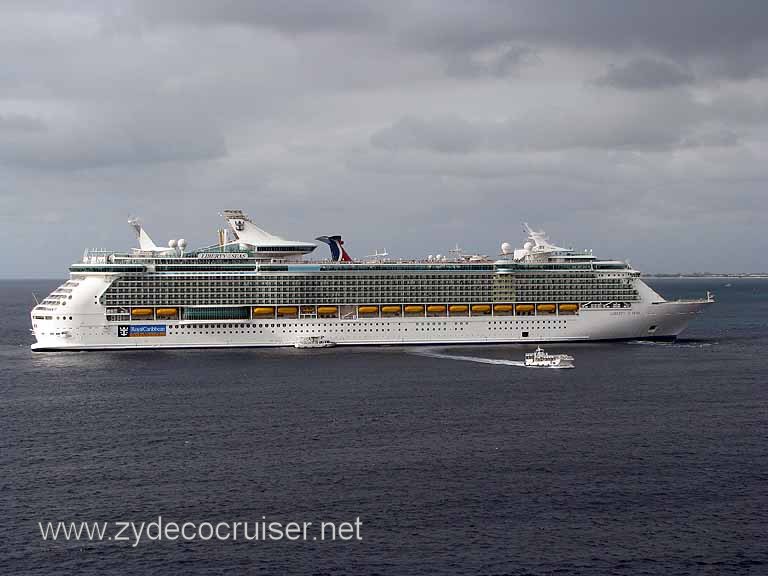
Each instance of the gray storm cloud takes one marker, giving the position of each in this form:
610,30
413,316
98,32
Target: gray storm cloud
645,74
626,127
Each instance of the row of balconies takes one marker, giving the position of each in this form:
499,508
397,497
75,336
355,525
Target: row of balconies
454,281
138,301
335,291
310,287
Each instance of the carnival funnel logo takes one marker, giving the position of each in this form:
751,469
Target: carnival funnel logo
336,244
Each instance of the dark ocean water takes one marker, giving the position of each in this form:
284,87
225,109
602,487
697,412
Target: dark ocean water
645,459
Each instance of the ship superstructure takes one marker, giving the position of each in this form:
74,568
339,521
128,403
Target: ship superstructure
253,288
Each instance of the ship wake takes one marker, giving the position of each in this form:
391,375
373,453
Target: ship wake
501,362
674,344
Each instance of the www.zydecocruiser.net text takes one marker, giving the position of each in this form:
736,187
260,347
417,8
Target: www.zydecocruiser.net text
262,530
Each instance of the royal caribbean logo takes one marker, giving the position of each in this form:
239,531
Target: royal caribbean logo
128,331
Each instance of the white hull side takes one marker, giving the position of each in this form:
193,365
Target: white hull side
89,331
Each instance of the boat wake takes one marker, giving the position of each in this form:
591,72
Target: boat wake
675,344
477,359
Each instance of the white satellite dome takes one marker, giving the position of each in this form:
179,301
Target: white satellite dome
172,243
182,243
528,245
507,248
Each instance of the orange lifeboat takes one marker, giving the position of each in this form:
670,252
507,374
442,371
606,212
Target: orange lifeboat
367,309
481,308
263,311
327,310
502,308
458,308
545,308
166,312
287,310
568,307
436,308
414,309
524,308
391,310
141,311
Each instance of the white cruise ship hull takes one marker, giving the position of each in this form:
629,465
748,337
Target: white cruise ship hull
663,320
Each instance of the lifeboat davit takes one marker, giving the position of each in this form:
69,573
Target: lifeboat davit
436,308
502,308
545,308
141,311
481,308
458,308
524,308
263,311
367,309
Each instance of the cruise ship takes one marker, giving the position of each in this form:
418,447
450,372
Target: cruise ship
253,288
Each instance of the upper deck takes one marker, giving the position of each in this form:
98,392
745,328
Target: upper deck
115,262
256,251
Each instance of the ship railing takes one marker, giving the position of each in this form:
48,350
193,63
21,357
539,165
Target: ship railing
98,252
709,298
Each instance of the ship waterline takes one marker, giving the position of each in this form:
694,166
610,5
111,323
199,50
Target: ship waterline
257,289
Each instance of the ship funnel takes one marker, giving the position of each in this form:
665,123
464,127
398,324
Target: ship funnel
336,244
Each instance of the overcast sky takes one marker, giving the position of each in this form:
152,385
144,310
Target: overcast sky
638,129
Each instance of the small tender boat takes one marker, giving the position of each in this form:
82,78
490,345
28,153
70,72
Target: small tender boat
314,342
541,359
